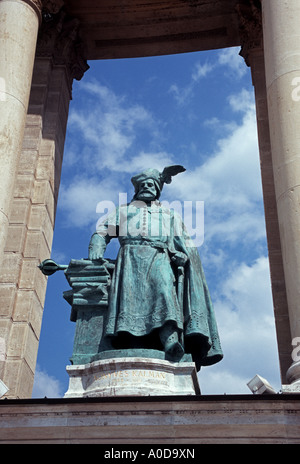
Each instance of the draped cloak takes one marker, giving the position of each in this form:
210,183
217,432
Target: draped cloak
144,288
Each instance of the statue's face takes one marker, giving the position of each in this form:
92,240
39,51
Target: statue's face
147,191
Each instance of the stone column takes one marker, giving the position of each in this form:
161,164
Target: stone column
281,32
250,17
59,59
19,23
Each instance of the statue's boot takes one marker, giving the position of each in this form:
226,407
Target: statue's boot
170,339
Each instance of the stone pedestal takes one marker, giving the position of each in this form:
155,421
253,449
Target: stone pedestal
292,388
293,376
132,377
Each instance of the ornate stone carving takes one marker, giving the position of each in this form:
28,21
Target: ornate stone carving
52,6
45,8
250,25
59,38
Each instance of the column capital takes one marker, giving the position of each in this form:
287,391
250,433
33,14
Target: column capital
50,8
37,6
53,6
59,39
45,8
250,27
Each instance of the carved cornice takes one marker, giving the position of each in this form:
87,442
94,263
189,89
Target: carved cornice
250,27
59,38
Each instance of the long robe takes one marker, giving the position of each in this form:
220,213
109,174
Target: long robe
145,293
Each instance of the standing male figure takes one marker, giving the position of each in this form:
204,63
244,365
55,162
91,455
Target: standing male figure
158,296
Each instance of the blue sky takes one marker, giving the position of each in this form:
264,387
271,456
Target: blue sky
193,109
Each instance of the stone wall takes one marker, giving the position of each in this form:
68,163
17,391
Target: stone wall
181,421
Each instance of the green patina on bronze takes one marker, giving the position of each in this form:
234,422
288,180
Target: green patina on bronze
153,301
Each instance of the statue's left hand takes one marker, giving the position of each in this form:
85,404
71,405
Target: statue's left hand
179,259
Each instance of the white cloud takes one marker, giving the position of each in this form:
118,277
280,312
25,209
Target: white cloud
59,257
229,181
230,58
145,160
222,381
182,94
108,127
228,62
46,385
242,101
244,312
202,70
79,199
219,125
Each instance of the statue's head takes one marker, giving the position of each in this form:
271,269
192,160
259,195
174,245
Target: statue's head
149,183
147,191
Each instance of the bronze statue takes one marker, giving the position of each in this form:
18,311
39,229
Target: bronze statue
158,298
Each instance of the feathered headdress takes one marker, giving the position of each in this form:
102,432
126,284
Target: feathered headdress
160,178
169,172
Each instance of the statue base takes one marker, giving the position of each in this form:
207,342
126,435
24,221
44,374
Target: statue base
292,388
293,378
132,377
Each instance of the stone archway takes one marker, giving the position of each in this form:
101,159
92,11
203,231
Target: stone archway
33,126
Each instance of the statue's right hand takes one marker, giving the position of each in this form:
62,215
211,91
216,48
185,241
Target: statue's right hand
96,248
94,254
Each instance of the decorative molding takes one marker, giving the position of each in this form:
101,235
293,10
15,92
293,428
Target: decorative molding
59,38
214,411
250,26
